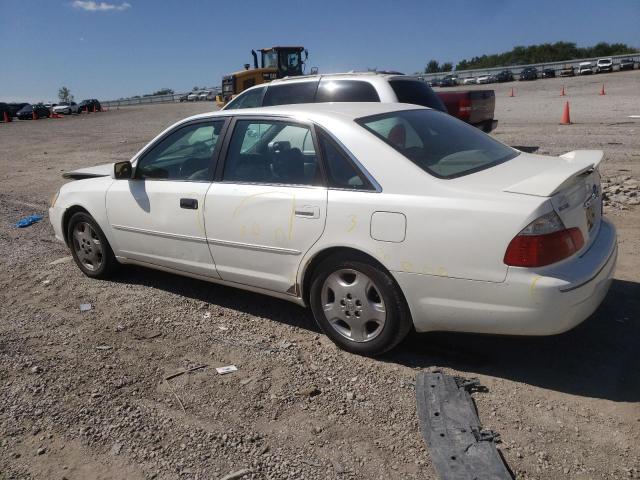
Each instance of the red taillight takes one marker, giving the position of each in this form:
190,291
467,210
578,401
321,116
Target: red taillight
464,108
540,250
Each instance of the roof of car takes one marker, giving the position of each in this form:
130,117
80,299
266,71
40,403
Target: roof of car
312,111
343,75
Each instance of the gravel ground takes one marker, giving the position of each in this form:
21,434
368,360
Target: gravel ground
84,394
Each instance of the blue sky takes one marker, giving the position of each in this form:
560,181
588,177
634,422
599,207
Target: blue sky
114,49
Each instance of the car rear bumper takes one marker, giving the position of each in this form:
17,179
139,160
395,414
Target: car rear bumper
529,302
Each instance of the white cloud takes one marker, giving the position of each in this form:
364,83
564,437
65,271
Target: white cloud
91,6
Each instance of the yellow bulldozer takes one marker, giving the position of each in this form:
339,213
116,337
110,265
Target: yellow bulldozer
275,62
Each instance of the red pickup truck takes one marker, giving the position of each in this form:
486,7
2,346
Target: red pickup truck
473,106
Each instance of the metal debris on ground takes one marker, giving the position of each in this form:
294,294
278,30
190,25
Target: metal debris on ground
188,370
227,369
460,449
28,221
85,307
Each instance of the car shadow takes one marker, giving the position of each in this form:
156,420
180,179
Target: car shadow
227,297
598,359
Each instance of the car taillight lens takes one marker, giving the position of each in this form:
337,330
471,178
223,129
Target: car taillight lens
464,108
543,242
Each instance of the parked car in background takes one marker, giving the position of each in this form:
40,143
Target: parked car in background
66,108
604,65
548,73
475,107
627,64
585,68
436,82
183,98
90,105
402,218
206,95
193,97
27,112
5,111
505,76
16,107
449,81
469,81
482,79
529,73
567,71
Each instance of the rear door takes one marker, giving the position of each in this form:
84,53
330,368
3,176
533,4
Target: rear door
269,204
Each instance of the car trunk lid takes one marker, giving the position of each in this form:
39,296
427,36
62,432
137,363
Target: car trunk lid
571,182
573,186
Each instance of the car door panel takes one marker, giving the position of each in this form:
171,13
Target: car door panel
151,226
259,233
158,216
268,207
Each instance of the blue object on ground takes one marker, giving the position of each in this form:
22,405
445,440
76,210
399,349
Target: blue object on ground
27,221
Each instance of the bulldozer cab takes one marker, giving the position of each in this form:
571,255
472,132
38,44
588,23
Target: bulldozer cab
275,62
286,60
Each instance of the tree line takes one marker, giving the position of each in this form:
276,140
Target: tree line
542,53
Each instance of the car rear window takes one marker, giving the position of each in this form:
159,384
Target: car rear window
438,143
417,93
301,92
346,91
248,99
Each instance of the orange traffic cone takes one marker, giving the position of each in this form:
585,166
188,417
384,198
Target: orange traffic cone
94,109
6,117
86,109
511,94
562,94
566,118
602,90
33,115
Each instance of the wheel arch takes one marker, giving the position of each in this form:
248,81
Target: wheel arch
352,253
66,217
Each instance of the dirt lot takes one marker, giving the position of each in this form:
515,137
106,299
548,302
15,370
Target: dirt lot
83,394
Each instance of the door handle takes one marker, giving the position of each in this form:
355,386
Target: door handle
189,203
308,211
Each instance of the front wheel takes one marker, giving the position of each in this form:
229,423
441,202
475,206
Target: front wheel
89,247
359,306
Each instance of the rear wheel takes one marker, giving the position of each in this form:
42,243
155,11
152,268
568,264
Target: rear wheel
359,306
89,247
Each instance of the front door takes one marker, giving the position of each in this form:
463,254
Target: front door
269,206
157,216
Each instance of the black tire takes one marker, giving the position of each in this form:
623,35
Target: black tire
104,263
397,323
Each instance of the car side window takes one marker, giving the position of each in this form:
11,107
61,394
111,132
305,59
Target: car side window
184,154
346,91
288,94
249,99
341,171
271,152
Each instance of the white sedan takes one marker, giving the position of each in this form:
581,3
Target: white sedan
380,217
66,108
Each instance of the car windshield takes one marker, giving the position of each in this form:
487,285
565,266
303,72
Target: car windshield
438,143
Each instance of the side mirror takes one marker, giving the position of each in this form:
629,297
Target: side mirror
122,170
